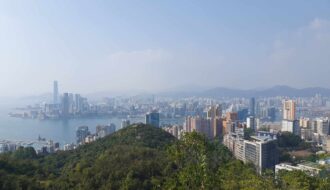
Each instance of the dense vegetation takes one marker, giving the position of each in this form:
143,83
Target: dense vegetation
288,142
143,157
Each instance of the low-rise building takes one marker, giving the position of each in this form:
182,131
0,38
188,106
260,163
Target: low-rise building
309,168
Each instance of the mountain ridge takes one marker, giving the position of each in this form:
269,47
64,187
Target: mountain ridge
278,90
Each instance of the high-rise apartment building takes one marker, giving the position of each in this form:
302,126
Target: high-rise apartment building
251,123
289,110
232,116
289,122
291,126
322,126
214,112
243,114
305,123
271,114
210,127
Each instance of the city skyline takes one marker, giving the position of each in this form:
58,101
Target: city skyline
154,46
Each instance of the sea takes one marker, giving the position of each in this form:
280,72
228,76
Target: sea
62,131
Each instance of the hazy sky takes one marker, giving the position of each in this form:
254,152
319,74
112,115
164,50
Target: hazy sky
91,46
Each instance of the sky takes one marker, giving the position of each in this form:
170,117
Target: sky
127,45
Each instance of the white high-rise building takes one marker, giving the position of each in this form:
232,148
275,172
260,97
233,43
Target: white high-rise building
251,123
291,126
289,110
322,126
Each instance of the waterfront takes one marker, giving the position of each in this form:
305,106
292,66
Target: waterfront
62,131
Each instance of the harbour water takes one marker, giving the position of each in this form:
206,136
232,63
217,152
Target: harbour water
62,131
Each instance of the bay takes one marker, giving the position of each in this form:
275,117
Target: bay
62,131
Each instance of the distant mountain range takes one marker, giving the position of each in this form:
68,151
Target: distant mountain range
280,90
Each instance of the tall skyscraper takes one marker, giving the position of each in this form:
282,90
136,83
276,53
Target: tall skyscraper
271,114
55,92
252,107
289,110
65,105
152,118
289,123
214,122
77,103
243,114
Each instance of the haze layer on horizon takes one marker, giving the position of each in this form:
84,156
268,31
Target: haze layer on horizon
91,46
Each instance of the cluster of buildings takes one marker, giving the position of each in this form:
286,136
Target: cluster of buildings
63,106
316,130
175,130
84,136
211,124
289,122
223,118
260,149
41,146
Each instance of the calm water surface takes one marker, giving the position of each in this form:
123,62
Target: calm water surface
62,131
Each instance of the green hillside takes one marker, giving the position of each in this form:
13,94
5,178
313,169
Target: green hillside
143,157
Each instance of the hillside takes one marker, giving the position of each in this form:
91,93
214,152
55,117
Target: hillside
143,157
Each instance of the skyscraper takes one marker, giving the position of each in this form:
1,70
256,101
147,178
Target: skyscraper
271,114
214,121
55,92
252,107
152,118
65,105
77,103
289,123
289,110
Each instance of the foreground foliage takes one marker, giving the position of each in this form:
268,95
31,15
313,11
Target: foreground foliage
144,157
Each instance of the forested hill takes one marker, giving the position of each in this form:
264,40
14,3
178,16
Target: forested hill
143,157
